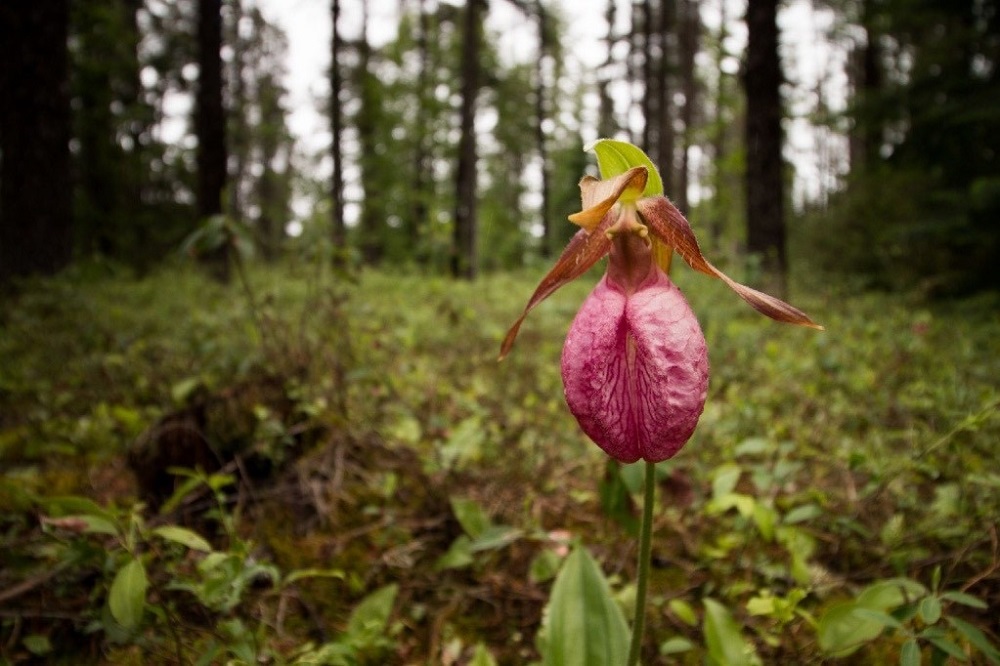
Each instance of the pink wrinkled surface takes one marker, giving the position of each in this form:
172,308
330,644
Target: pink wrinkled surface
635,369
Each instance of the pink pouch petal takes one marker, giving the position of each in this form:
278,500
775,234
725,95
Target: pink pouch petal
635,369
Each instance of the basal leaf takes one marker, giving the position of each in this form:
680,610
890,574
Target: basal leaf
183,536
127,598
586,626
723,638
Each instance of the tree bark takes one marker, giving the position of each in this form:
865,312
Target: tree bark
210,127
465,262
690,27
665,136
764,179
35,191
339,231
541,113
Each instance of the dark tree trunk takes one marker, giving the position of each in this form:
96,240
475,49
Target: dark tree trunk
650,84
35,194
371,236
665,134
866,72
690,26
422,180
541,113
210,127
764,181
465,262
606,125
339,231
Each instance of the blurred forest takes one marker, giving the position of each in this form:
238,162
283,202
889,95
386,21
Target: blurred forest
249,408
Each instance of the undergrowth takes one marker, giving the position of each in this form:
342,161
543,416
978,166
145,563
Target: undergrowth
376,488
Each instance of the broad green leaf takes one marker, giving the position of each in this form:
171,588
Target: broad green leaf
841,631
881,617
70,505
301,574
945,645
183,536
676,645
127,597
37,644
616,157
683,610
459,554
470,516
586,627
930,609
800,514
371,615
891,593
909,655
965,599
978,639
725,478
544,566
723,638
482,657
495,537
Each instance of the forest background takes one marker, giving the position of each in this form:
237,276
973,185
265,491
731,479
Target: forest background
249,404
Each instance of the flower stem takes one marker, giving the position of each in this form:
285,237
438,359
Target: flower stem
645,549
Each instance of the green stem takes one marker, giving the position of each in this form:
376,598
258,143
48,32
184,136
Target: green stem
645,549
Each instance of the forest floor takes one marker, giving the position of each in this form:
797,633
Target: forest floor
316,470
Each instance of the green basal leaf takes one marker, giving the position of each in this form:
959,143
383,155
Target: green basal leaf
586,626
909,655
127,598
482,657
723,638
183,536
978,639
471,516
616,157
371,615
965,600
842,630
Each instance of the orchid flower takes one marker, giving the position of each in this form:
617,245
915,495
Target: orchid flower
635,363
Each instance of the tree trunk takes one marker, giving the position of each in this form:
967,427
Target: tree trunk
35,192
866,72
339,231
764,181
465,262
665,136
210,127
690,26
423,177
650,85
541,113
371,223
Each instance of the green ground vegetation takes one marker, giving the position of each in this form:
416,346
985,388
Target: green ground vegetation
323,470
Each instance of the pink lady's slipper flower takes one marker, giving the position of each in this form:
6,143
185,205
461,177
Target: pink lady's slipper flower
635,365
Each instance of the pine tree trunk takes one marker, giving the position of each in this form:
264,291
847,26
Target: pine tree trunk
210,127
666,137
465,262
423,177
35,189
541,113
764,180
339,231
690,26
371,223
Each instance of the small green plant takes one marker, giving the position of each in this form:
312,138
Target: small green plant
920,617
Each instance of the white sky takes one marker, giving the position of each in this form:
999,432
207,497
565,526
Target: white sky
806,54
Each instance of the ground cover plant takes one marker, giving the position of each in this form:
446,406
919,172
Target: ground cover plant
338,471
